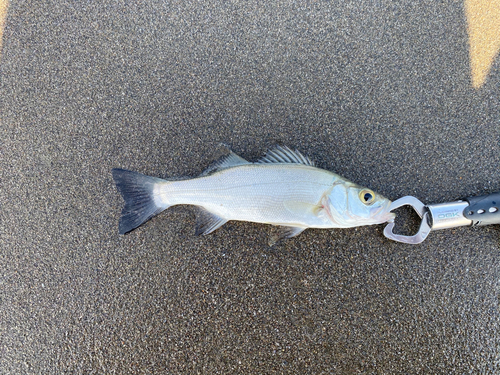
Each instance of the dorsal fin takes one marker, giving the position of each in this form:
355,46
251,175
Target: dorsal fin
224,162
282,154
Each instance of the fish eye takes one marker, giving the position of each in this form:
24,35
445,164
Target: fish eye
367,196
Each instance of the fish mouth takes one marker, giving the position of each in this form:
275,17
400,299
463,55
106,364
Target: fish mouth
382,213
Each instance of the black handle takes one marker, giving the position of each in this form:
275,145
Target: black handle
483,210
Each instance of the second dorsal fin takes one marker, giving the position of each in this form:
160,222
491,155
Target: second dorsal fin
224,162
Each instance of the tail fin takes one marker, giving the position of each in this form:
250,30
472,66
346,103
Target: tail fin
141,203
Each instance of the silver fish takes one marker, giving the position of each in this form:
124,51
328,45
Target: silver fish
283,188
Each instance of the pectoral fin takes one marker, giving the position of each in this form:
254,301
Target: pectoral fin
302,208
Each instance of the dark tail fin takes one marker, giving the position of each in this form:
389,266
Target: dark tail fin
141,204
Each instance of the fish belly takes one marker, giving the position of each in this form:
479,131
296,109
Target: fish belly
280,194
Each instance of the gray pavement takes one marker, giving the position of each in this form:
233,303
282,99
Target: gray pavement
378,92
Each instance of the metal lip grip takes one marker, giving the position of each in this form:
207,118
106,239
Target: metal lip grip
420,209
473,211
448,215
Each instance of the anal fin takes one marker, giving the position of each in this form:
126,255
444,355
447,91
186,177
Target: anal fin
207,222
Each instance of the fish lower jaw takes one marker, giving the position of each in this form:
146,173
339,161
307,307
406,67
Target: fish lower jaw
387,217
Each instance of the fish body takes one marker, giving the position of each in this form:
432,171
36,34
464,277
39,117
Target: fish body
284,188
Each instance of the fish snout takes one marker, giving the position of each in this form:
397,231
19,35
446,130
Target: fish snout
382,214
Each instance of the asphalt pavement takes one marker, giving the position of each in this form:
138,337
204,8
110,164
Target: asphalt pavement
379,92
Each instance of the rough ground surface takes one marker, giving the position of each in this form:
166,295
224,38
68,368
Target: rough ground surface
378,92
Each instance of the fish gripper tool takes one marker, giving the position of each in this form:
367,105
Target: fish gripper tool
473,211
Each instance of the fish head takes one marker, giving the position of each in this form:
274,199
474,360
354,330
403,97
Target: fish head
351,205
366,207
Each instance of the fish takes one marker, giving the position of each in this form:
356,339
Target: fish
284,188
